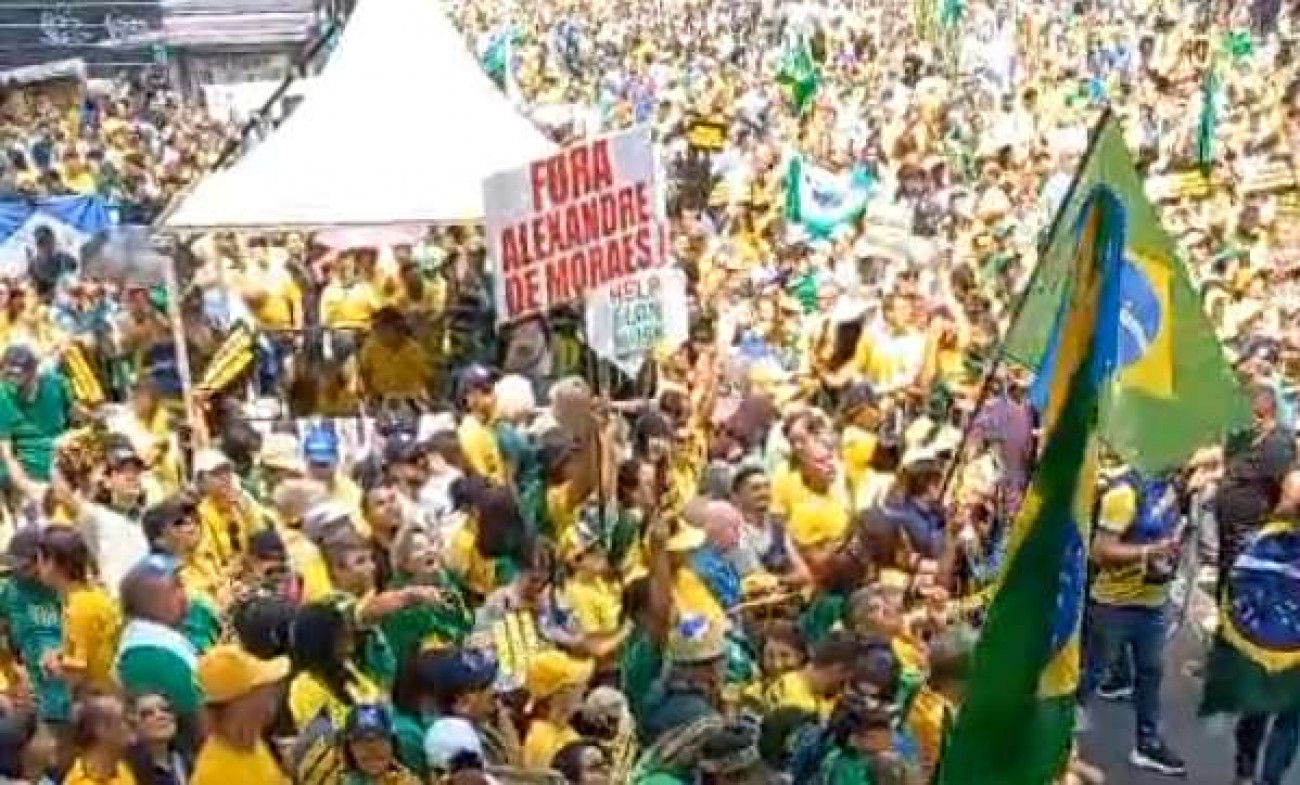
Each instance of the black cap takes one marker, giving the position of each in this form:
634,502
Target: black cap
23,547
475,378
165,514
267,544
119,451
402,447
19,358
860,395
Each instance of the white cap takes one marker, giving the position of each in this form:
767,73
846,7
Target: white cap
449,737
210,460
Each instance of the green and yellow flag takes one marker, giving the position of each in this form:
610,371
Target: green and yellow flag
1254,665
1170,368
1015,726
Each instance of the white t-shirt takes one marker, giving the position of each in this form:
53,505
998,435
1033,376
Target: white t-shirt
117,542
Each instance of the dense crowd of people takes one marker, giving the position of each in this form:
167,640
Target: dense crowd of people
456,554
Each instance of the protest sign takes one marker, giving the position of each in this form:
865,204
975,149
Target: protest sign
627,319
564,225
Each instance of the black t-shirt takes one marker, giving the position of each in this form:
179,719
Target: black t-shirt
1253,472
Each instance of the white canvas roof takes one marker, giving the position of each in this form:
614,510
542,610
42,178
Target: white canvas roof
402,126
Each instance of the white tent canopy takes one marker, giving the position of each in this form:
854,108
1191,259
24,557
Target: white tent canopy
402,126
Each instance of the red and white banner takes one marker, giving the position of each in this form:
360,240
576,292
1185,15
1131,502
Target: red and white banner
559,227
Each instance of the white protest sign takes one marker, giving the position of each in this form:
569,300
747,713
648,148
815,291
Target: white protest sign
562,226
627,319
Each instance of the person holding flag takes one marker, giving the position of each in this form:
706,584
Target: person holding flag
1135,548
1254,668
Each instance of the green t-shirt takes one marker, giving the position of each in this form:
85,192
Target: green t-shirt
202,623
408,629
408,733
31,426
34,616
639,669
844,768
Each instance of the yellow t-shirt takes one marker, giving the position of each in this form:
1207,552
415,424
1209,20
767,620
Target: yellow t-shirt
544,739
479,444
78,775
464,560
91,624
908,654
890,361
925,721
1123,585
597,603
793,689
220,764
309,563
308,697
431,300
561,510
817,519
401,371
866,485
346,492
348,306
224,532
200,575
273,296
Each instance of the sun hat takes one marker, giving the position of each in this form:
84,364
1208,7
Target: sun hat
227,673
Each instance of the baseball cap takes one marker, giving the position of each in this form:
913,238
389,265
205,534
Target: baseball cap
460,671
157,564
449,738
280,451
210,461
696,640
687,538
267,544
227,672
321,446
369,720
23,547
117,456
553,670
19,359
476,378
165,514
401,447
320,519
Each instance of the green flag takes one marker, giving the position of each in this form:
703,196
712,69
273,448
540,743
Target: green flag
1207,125
800,75
1171,367
1016,723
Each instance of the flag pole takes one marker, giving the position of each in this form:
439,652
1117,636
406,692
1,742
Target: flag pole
1018,307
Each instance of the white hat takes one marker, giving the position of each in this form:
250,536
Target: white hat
449,737
210,461
281,451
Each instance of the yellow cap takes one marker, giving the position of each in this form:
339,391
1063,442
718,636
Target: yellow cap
686,538
227,672
552,670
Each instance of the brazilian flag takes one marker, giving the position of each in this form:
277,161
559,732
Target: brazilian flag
1016,724
1168,366
1254,665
